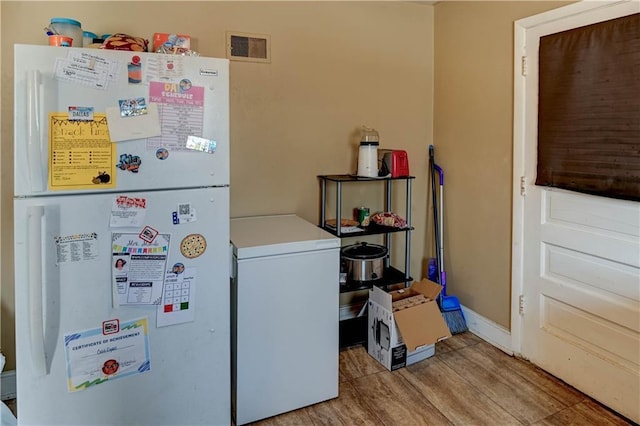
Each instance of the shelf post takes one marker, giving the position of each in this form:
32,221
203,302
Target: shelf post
338,206
387,208
323,192
407,241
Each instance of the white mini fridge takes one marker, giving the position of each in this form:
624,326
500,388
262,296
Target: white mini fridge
285,290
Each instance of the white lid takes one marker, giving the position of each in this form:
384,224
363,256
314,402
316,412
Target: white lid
261,236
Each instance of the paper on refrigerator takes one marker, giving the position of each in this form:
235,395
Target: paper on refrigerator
79,247
134,127
113,351
138,268
178,297
81,155
181,107
127,211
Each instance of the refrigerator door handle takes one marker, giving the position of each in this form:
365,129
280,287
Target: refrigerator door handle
35,287
34,135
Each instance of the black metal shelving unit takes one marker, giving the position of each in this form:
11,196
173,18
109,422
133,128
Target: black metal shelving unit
353,330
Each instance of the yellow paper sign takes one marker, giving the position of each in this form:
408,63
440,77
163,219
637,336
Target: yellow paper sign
81,154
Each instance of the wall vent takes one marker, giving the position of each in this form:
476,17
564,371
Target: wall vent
248,47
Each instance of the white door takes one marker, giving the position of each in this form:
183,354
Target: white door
64,267
576,257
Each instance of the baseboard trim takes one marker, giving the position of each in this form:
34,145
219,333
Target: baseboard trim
8,385
488,330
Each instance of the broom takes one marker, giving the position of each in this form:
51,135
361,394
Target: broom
449,305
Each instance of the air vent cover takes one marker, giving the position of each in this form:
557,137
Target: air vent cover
248,47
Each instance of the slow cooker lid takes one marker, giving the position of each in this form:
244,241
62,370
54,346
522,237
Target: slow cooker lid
364,251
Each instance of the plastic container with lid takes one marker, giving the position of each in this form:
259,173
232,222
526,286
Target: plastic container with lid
68,27
88,38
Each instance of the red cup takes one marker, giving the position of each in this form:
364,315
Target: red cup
60,40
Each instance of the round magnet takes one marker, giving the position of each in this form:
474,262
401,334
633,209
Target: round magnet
110,367
162,154
185,84
178,268
193,245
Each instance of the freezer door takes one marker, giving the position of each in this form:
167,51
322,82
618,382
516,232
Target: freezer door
64,290
187,98
286,333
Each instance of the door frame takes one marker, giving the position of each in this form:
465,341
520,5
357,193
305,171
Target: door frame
562,16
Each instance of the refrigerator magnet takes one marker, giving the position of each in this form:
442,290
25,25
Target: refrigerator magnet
148,234
129,162
162,154
110,326
77,113
186,213
134,70
132,107
177,268
185,85
193,245
201,144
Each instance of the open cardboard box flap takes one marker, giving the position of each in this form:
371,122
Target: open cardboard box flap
421,324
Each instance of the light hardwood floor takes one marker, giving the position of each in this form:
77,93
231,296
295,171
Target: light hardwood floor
467,382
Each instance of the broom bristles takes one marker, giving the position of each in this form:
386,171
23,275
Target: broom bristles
455,321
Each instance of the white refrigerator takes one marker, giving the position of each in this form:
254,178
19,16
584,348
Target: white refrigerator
121,204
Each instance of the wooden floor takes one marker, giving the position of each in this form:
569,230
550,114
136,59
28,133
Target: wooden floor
467,382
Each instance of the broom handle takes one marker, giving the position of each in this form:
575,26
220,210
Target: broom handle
434,201
443,274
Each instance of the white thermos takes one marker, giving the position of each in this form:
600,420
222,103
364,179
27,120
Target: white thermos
368,153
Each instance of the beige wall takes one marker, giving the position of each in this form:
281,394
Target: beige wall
473,138
334,66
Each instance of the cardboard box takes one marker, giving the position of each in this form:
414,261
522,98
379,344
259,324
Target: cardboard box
173,40
404,325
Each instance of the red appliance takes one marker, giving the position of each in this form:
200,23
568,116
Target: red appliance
396,162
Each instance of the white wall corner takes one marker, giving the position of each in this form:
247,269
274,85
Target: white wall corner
8,385
488,330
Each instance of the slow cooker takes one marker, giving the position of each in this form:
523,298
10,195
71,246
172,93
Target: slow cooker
364,261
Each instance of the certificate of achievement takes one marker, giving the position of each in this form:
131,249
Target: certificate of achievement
101,354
